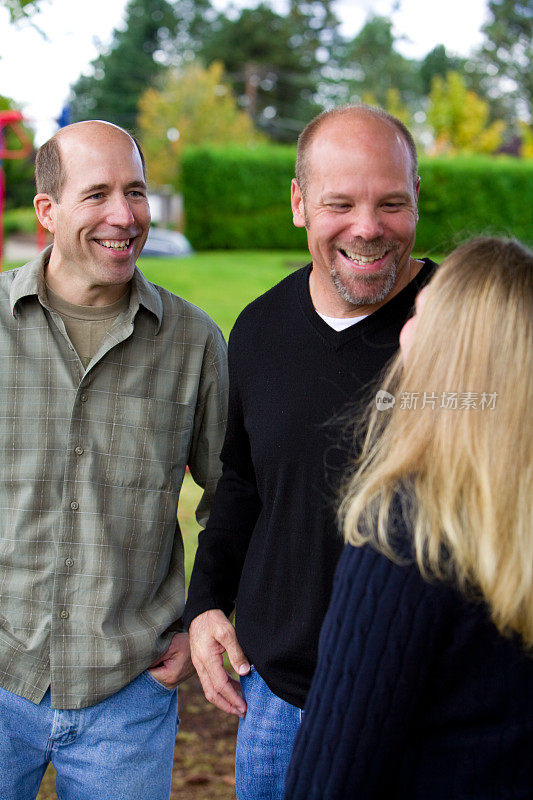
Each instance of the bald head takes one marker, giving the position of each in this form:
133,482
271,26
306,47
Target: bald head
50,172
356,117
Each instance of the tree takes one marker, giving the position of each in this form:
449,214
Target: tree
509,49
19,8
459,118
438,62
138,55
376,66
193,106
316,30
272,65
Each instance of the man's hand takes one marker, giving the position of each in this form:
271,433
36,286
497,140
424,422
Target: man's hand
211,634
174,666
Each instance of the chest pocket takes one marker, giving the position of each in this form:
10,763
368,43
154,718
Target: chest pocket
147,443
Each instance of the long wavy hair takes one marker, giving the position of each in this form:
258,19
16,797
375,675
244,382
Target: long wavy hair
458,442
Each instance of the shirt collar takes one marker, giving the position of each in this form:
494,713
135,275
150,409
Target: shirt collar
29,280
145,293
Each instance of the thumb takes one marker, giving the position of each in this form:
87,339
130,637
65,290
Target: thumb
237,659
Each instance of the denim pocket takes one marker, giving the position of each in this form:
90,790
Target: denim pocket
157,684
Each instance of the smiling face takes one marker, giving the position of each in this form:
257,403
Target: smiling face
101,219
360,212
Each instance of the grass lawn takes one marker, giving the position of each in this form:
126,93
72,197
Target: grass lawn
223,282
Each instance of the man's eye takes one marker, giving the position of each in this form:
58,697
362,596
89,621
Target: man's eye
96,196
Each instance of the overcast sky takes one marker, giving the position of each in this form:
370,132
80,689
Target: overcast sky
37,69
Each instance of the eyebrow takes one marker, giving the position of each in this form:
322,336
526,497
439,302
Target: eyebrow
98,187
334,197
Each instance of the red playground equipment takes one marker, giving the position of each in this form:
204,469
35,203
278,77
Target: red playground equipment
10,120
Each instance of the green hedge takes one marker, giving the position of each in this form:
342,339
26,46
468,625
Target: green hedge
467,196
239,198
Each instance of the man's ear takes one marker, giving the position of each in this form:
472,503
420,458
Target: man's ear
297,205
44,208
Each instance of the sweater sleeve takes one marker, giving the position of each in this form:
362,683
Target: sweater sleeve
375,649
223,545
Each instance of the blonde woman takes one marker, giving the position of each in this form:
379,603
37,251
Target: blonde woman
424,685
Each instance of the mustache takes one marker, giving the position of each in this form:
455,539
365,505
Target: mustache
364,248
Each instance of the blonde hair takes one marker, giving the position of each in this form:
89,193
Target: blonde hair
466,473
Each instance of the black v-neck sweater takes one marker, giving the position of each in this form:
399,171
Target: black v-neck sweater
272,542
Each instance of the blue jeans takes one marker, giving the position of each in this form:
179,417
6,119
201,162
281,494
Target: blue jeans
121,748
264,741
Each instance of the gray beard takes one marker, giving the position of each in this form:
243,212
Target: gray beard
369,289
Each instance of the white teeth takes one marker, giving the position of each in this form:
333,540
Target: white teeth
114,244
362,260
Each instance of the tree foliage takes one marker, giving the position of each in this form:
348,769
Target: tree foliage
193,106
20,8
509,47
119,77
438,62
286,66
375,66
272,64
459,119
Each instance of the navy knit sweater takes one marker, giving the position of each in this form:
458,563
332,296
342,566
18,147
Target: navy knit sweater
416,695
271,544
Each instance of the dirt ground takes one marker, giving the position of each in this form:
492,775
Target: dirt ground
205,748
204,755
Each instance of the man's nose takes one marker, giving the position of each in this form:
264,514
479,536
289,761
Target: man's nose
366,223
119,211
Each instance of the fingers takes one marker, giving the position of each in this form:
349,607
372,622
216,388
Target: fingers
175,665
210,635
222,691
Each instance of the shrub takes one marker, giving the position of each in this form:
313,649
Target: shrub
466,196
19,220
238,198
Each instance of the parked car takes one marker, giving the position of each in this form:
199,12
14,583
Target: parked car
161,242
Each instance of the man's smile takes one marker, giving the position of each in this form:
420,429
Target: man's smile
114,244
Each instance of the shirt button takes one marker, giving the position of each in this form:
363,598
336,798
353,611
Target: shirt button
78,450
69,562
83,398
74,505
63,614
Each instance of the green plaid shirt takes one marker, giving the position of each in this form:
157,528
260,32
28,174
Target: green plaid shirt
91,556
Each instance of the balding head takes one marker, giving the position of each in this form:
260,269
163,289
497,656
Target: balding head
50,171
345,114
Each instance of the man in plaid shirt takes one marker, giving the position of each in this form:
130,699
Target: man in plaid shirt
109,387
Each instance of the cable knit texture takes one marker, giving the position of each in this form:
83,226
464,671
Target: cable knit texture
416,695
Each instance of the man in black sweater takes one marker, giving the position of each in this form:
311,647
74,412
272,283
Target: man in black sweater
303,358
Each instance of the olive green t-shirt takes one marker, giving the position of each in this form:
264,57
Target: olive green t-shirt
86,326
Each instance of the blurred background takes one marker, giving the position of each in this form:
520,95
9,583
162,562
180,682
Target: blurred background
217,94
